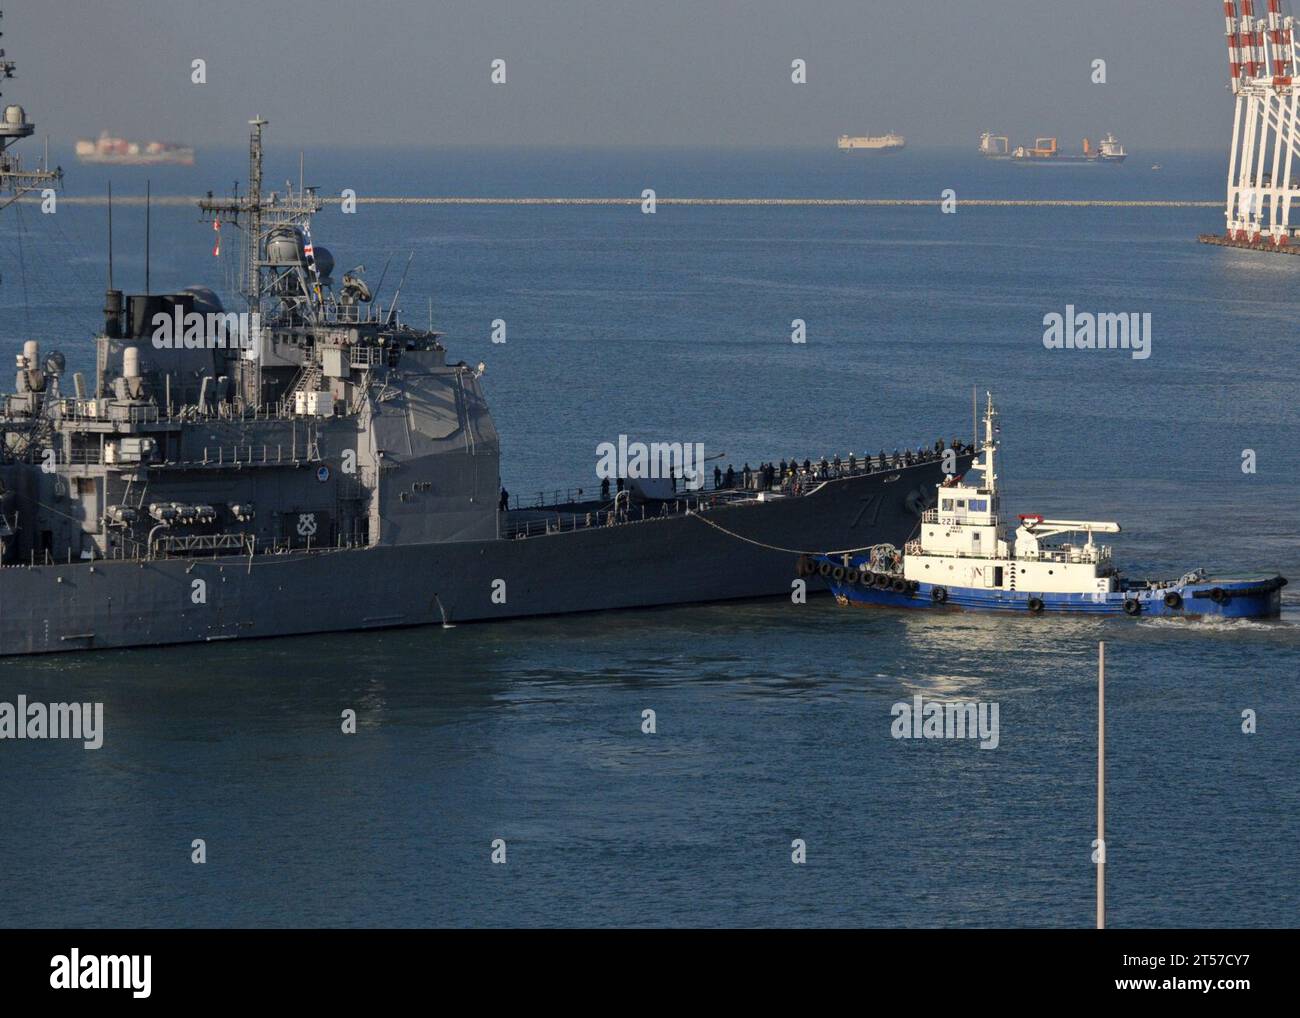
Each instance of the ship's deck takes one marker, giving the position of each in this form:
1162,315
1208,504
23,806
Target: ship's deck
569,510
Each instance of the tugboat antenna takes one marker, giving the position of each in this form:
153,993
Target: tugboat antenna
110,235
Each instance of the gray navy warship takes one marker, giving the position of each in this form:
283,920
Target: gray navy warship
338,472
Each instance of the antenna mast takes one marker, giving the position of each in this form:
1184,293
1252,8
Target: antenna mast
260,214
110,235
148,232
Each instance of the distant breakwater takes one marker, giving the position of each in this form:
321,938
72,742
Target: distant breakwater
742,202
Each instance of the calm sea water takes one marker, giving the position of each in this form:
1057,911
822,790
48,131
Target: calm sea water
773,720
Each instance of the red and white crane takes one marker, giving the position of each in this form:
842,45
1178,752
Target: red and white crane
1263,63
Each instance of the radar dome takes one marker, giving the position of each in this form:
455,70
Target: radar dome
324,263
284,246
205,300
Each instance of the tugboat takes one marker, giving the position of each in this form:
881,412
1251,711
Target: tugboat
961,560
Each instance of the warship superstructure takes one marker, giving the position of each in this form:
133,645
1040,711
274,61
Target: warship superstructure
320,465
15,179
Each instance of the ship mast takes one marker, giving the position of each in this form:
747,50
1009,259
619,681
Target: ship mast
263,215
990,482
14,126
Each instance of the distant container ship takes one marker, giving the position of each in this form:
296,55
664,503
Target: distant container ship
1045,151
883,143
120,152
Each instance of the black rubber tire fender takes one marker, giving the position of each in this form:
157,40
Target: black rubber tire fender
1173,599
939,595
1132,606
1036,606
1220,596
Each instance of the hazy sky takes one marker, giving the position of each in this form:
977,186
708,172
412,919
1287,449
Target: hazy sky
616,72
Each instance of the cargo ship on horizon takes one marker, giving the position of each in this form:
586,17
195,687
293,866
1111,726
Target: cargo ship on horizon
1046,151
113,151
883,144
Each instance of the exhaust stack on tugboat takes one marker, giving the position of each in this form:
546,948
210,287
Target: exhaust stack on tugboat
962,560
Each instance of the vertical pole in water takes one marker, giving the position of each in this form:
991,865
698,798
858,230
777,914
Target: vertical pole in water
1101,785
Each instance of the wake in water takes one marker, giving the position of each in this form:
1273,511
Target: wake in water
1288,622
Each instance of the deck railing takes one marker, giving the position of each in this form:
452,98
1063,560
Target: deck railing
796,481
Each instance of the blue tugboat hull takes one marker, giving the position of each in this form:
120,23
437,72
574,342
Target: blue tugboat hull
1234,599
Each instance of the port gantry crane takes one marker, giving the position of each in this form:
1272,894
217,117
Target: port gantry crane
1264,74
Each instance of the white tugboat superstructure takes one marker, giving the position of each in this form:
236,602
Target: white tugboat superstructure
961,542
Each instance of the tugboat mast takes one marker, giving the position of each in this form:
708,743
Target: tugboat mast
990,482
14,126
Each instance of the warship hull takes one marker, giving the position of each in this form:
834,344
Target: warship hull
743,550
